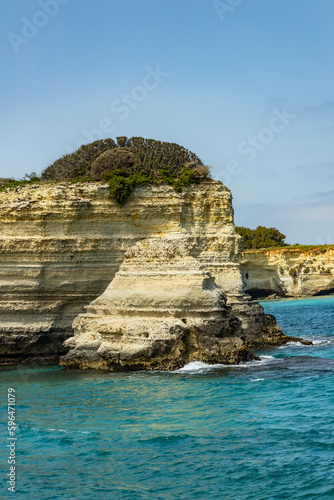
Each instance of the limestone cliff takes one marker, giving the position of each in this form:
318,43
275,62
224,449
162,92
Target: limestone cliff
288,272
61,246
159,312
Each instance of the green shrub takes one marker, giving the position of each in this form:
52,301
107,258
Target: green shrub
13,183
121,187
261,237
167,175
187,177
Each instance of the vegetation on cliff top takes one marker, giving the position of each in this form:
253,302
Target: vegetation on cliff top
297,246
269,238
13,183
261,237
128,163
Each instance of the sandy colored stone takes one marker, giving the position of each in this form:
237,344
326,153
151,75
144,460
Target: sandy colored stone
288,272
61,245
161,311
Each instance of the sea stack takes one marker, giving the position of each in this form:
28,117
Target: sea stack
161,311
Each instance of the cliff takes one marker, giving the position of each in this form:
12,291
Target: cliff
61,246
288,272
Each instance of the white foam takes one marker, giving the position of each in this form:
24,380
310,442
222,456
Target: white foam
263,360
256,379
197,366
289,344
65,431
322,342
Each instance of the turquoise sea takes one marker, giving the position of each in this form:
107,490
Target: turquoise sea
264,430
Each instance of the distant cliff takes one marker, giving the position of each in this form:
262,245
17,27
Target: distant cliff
61,246
288,272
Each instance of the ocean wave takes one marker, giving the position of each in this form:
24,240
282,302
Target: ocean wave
200,367
322,342
289,344
263,361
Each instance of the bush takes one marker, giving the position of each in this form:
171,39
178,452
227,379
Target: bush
150,157
187,177
12,183
121,159
202,171
121,187
261,237
128,163
76,164
167,175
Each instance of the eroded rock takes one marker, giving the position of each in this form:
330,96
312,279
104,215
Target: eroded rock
161,311
62,244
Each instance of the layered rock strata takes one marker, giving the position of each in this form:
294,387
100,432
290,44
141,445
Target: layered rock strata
62,244
288,272
161,311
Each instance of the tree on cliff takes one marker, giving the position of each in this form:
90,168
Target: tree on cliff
261,237
129,163
148,157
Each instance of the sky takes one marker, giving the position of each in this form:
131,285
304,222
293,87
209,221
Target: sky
248,85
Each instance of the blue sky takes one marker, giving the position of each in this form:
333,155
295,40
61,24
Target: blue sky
248,85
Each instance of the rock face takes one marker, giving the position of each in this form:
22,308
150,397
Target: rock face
160,311
288,272
62,245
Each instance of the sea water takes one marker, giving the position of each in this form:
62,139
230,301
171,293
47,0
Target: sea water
263,430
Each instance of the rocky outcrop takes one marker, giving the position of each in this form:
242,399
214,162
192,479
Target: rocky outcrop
61,246
160,312
288,272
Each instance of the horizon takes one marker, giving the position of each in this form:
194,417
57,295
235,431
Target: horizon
247,86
